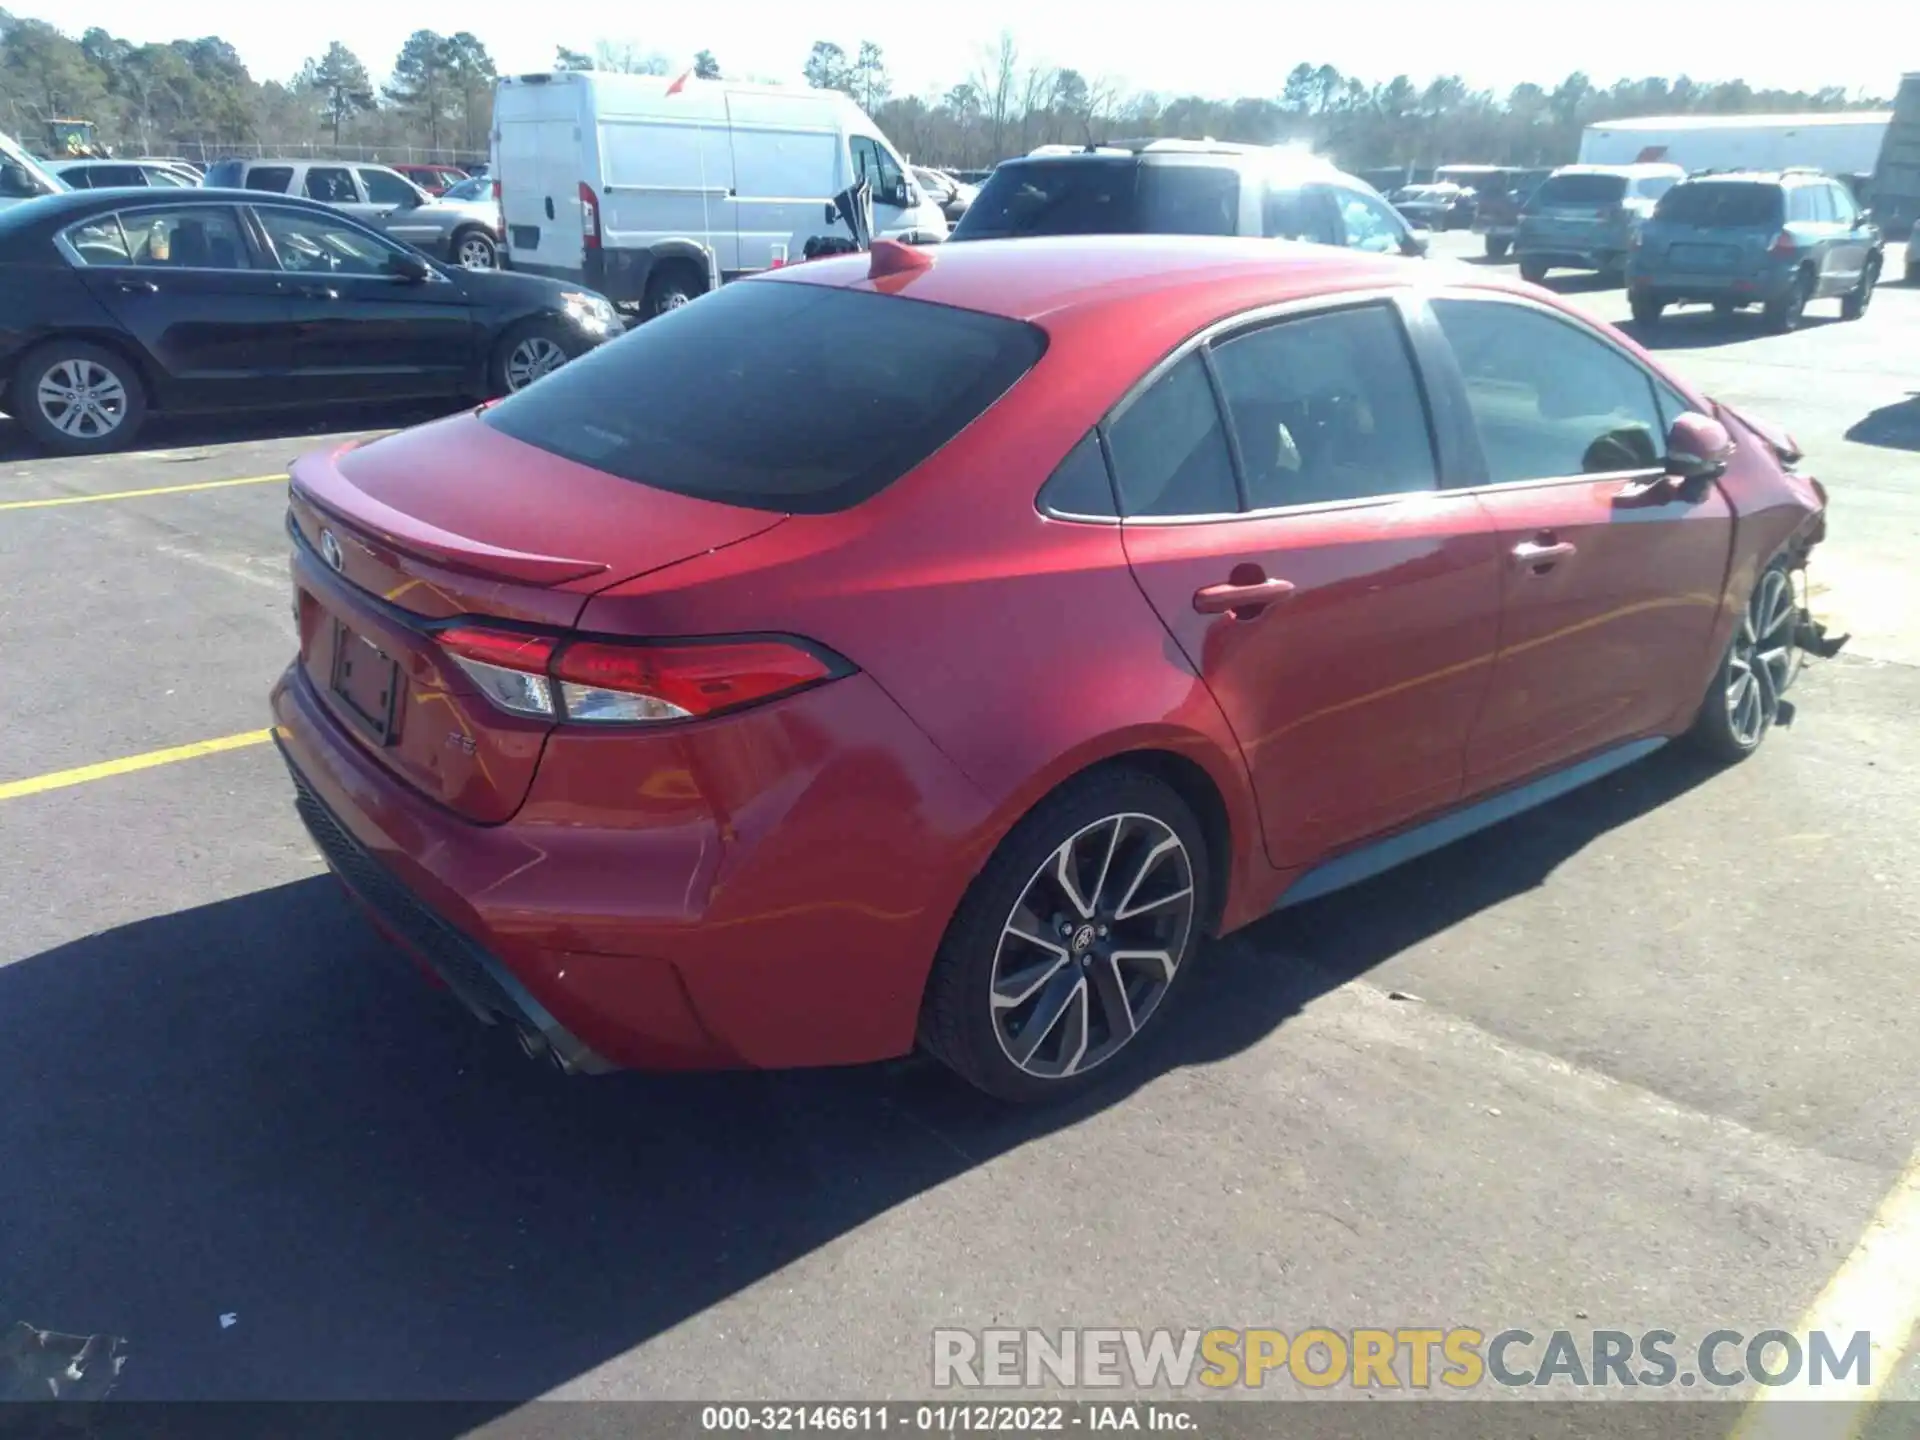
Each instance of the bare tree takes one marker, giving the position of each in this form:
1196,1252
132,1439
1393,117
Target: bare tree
995,82
1036,90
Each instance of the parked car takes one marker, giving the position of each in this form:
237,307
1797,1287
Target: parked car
434,179
951,195
1323,551
1499,200
1778,239
1583,217
654,191
179,162
462,226
22,177
120,303
369,193
107,174
1441,205
1186,187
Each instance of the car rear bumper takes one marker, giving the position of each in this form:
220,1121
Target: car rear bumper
1677,287
763,891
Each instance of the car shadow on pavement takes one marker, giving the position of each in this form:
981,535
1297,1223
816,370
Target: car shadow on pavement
1581,283
256,1110
1699,328
177,432
1892,427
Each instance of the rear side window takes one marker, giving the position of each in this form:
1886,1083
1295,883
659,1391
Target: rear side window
1582,190
1726,203
1189,199
1080,486
1066,197
776,395
1170,453
274,179
1326,408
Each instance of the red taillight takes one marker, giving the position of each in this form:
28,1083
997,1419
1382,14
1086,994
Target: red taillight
1782,244
608,682
589,217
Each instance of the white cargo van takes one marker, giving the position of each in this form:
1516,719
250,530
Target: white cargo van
651,190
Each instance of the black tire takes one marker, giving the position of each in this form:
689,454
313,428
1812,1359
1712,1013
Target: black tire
959,1023
671,287
1647,311
1721,729
120,396
527,351
1789,310
1534,272
467,246
1497,248
1854,303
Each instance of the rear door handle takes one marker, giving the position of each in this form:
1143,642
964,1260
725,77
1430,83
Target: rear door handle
1541,556
1247,595
136,287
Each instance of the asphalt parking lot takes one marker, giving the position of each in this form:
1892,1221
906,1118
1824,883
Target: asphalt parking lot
1641,1059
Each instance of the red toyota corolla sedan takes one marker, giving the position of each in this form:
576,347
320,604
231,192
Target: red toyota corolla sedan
933,647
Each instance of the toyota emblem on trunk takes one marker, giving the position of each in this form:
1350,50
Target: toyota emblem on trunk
330,550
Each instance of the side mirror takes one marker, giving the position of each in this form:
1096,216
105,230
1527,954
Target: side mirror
1865,217
1699,449
409,267
1415,242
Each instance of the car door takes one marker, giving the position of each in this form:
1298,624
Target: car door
1611,578
1850,248
334,185
208,309
362,331
390,197
1283,514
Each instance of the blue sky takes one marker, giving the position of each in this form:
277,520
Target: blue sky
1210,47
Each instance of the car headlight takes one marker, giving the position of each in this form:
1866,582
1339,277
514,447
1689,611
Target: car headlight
590,312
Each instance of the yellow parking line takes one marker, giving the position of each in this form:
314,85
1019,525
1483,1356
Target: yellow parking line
58,779
1876,1289
140,494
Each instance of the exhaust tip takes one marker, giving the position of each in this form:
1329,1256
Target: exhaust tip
533,1044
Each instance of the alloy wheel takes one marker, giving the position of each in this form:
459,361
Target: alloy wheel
1092,945
82,398
477,253
533,357
1764,659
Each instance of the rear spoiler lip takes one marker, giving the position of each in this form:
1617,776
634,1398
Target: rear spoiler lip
317,480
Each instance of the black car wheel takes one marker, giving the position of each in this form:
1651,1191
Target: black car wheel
78,399
1790,309
1759,665
1534,272
1496,248
1071,940
529,351
475,250
671,287
1854,303
1646,310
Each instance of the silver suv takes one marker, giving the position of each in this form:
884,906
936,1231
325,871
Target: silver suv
376,196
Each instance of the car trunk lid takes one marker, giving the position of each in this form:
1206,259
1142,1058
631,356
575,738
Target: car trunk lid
455,520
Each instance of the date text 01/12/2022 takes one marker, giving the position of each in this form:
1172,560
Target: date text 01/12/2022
946,1419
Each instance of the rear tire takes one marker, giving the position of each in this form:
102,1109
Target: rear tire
1758,667
1041,987
77,398
1534,272
1497,249
671,287
1789,310
1646,311
530,350
1854,303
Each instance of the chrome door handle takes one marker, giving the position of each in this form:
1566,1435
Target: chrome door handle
1529,552
1222,599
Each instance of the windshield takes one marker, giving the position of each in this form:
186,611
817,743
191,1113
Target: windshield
1721,202
1104,196
776,395
22,177
1582,190
475,189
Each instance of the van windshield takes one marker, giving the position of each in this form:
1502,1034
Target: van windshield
1582,190
776,394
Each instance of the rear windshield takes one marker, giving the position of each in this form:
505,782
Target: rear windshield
1721,202
776,395
1581,190
1103,196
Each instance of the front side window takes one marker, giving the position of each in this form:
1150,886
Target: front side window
314,244
1548,399
1368,223
330,184
202,238
1170,453
1326,408
386,189
872,162
1291,213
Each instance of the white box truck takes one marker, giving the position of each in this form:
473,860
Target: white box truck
1844,143
652,191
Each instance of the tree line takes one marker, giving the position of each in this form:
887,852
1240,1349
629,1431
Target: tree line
196,97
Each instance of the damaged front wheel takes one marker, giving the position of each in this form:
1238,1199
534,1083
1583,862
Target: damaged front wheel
1760,663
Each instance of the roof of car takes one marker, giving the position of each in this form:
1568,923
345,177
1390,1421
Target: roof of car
1046,277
